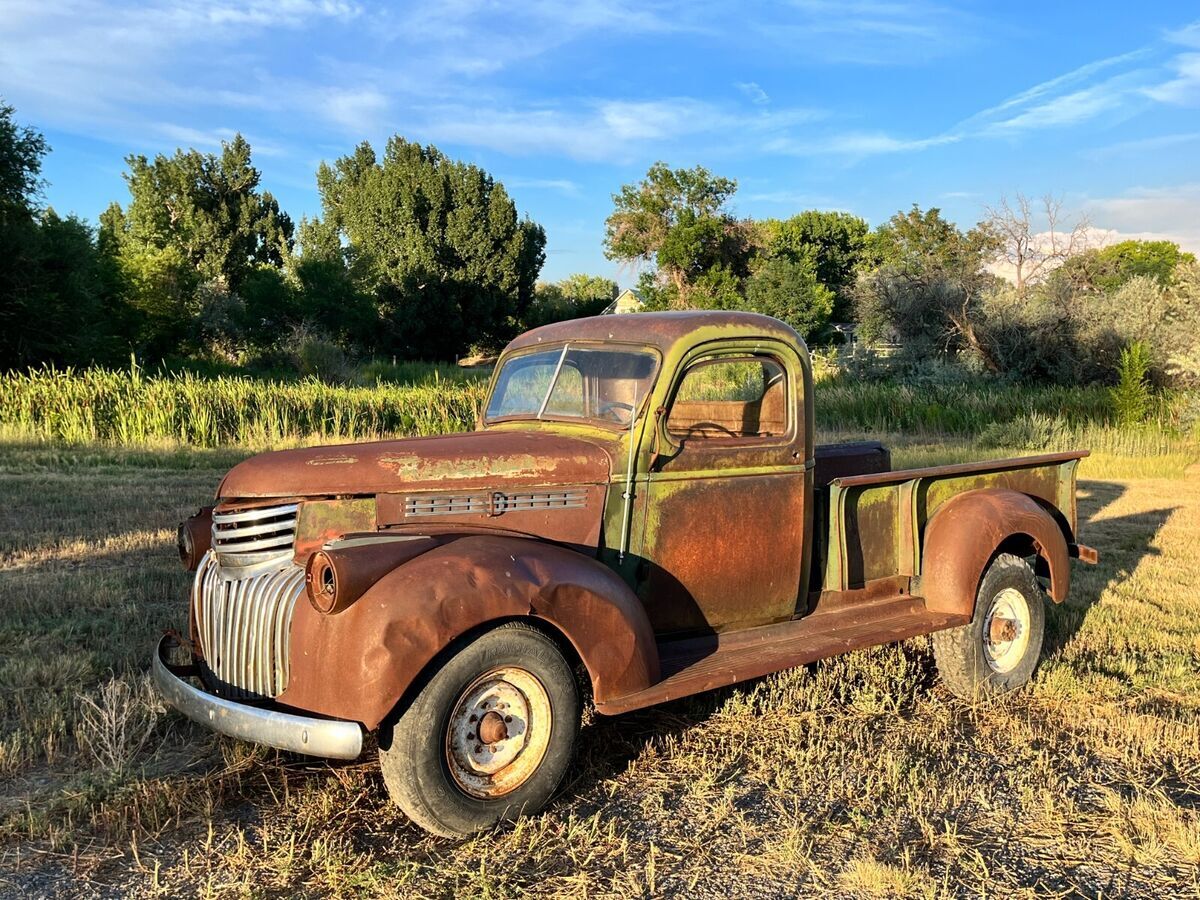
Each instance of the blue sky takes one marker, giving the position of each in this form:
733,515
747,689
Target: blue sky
863,105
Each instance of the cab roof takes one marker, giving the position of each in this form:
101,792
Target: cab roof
659,329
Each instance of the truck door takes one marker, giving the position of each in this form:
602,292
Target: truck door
725,513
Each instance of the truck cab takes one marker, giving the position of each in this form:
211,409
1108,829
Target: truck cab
641,501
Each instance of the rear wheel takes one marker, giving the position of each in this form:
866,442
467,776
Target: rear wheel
998,650
488,738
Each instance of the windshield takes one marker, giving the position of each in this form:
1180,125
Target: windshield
573,382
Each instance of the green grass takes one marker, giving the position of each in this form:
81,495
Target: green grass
858,777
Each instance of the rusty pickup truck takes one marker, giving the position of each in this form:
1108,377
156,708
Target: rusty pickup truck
640,514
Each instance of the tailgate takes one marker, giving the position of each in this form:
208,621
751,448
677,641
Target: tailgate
876,521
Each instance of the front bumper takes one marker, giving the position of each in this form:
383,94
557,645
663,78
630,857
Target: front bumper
331,738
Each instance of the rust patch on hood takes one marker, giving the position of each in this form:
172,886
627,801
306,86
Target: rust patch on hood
478,459
334,460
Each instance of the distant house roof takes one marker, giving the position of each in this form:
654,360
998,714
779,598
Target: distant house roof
627,301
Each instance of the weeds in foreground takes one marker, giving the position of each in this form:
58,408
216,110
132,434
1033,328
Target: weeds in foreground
117,722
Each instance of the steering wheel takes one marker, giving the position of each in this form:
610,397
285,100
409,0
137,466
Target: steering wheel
620,412
701,427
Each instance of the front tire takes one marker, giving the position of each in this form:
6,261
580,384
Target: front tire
488,738
998,650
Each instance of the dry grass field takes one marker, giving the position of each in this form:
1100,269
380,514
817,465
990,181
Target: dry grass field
857,777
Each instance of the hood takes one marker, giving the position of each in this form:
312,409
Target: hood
477,459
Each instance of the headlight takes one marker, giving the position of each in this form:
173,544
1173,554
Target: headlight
321,582
194,538
344,570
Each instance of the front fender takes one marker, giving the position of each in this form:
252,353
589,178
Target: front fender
967,531
359,663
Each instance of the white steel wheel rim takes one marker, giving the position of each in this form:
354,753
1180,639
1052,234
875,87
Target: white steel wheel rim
1006,631
498,732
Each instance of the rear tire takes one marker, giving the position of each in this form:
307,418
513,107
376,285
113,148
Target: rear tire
998,650
488,738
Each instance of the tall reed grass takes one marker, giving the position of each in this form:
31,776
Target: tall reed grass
131,408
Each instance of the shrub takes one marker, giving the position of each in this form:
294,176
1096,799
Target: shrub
1034,432
117,722
1131,396
790,291
317,356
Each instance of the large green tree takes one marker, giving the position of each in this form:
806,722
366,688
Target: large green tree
930,282
193,219
1107,268
22,148
575,296
791,291
832,244
436,243
678,219
50,290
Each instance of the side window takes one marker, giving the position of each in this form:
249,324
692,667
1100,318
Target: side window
726,398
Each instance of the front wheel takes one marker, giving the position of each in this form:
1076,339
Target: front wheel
488,738
998,650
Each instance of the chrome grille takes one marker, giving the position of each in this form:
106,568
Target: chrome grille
256,537
243,626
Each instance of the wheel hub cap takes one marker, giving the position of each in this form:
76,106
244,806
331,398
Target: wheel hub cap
492,729
498,732
1006,631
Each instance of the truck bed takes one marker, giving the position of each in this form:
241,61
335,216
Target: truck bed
874,522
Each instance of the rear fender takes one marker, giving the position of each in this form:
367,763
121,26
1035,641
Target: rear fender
359,663
968,531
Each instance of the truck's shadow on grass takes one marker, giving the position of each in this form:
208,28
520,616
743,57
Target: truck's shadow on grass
1123,542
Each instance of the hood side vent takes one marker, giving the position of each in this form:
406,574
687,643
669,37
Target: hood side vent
445,505
492,504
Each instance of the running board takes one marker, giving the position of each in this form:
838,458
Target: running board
713,661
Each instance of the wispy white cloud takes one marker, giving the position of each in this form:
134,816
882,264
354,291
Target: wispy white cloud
866,32
438,72
561,185
857,144
753,92
212,139
195,137
1066,82
114,68
1107,91
356,110
1157,213
601,129
1188,35
1143,145
1184,88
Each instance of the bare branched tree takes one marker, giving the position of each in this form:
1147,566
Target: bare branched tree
1032,253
